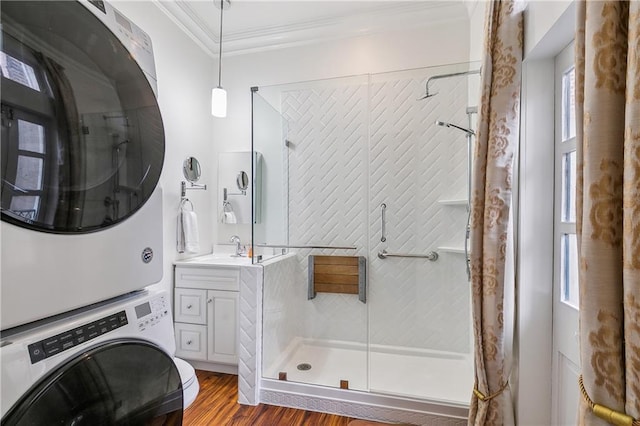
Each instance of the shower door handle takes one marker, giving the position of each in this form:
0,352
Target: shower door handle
383,208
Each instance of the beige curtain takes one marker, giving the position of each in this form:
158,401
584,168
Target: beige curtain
496,142
608,203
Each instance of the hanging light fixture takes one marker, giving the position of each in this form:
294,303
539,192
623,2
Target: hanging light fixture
218,94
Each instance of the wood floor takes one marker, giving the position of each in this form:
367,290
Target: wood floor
217,405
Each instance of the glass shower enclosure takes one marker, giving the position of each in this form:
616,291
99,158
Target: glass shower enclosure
364,209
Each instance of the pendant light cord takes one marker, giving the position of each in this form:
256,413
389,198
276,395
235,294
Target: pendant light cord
220,44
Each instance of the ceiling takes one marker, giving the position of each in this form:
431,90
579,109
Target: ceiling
255,25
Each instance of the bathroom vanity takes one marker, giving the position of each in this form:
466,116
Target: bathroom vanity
206,309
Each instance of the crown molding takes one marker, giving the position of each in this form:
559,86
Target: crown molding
190,25
383,18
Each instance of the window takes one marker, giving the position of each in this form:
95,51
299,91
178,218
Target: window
18,71
565,234
26,185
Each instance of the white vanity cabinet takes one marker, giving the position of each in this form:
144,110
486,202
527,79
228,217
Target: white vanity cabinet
206,300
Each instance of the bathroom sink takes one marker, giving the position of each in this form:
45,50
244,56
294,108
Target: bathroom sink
219,259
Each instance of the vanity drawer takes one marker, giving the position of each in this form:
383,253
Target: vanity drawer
190,305
191,341
218,278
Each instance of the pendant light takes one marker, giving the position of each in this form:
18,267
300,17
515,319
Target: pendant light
218,94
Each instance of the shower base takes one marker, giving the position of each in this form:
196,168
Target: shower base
404,372
410,387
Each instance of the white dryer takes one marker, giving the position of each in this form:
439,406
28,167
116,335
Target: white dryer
82,152
106,364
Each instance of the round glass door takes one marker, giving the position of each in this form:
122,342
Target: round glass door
82,134
123,382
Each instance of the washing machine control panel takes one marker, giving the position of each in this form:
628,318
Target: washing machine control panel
151,312
61,342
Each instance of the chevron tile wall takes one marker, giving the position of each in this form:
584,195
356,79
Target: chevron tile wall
414,163
353,147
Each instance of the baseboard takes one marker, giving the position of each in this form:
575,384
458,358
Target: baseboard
362,405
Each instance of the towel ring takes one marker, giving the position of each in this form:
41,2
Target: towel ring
185,201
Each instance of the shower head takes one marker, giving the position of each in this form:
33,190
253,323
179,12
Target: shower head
427,95
453,126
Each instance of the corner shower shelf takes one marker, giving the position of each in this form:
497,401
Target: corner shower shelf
454,202
457,250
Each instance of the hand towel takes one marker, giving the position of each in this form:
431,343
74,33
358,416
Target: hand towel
229,217
180,233
190,230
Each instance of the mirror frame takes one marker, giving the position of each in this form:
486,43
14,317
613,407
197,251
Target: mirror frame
242,180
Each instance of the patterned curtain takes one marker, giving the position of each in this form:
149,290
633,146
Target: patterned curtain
608,208
496,142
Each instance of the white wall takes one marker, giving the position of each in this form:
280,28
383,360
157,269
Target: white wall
185,77
541,30
440,44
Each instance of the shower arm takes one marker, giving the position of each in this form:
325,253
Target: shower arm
436,77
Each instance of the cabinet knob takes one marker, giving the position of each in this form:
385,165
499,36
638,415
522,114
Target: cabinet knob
209,300
188,342
189,306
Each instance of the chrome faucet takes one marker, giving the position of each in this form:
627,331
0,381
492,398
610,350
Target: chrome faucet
235,239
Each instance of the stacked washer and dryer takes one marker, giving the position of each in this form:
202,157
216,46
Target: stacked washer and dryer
83,340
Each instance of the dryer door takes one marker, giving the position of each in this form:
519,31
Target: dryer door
121,382
82,134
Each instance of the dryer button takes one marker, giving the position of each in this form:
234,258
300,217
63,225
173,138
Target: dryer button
36,352
53,349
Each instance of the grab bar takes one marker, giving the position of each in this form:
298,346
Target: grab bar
432,255
383,238
306,247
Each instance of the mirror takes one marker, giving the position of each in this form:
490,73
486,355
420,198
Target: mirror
242,180
191,169
236,188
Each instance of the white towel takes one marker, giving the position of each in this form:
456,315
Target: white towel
229,217
190,230
187,229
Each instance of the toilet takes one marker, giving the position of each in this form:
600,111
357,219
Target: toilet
190,385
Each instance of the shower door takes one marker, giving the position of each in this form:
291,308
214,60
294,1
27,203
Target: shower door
348,147
320,339
419,308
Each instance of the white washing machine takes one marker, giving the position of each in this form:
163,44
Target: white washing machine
106,364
